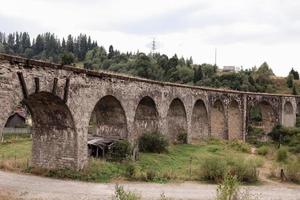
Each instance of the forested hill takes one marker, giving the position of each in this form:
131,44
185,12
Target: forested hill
82,51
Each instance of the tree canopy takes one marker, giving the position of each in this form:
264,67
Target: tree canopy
82,49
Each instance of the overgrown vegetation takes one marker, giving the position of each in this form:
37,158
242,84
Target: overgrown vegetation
263,150
293,171
180,162
281,155
121,194
153,142
213,169
230,189
121,150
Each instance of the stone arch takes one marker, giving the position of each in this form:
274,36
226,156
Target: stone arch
288,115
200,122
268,116
176,119
108,119
146,117
218,120
54,138
235,121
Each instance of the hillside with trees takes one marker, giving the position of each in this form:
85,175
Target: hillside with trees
82,51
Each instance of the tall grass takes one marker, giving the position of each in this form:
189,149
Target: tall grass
214,169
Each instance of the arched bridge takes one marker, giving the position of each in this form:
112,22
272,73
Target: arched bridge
64,100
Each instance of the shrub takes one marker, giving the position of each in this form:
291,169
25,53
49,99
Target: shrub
153,142
293,171
121,194
244,169
263,150
282,155
240,146
295,149
255,135
230,189
214,149
120,150
150,175
213,169
182,138
131,170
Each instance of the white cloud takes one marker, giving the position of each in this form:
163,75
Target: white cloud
246,32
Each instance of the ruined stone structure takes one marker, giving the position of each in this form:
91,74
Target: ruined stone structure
63,100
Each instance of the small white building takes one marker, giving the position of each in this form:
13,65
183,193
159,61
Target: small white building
229,69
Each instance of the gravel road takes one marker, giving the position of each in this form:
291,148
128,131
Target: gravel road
27,187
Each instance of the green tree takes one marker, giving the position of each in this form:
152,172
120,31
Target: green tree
70,44
295,74
290,81
111,52
67,58
295,92
198,73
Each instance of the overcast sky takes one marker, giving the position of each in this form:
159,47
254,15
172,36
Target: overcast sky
245,32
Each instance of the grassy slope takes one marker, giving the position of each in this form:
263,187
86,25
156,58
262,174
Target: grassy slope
174,165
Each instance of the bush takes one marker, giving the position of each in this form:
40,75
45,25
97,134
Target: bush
244,169
295,149
182,138
263,150
240,146
255,135
281,155
121,194
150,175
120,150
293,171
153,142
213,169
230,189
131,170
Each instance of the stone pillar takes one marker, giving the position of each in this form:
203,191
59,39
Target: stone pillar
244,115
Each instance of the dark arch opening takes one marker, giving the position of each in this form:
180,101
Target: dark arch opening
146,117
176,119
289,118
218,120
234,121
53,131
108,119
199,122
262,116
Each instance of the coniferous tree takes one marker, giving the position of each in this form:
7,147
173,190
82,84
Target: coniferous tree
290,81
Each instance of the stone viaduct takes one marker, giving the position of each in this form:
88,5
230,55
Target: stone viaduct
63,100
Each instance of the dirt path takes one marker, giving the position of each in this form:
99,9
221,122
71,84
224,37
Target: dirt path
32,187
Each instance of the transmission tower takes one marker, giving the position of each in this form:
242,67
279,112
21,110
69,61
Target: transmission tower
153,46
